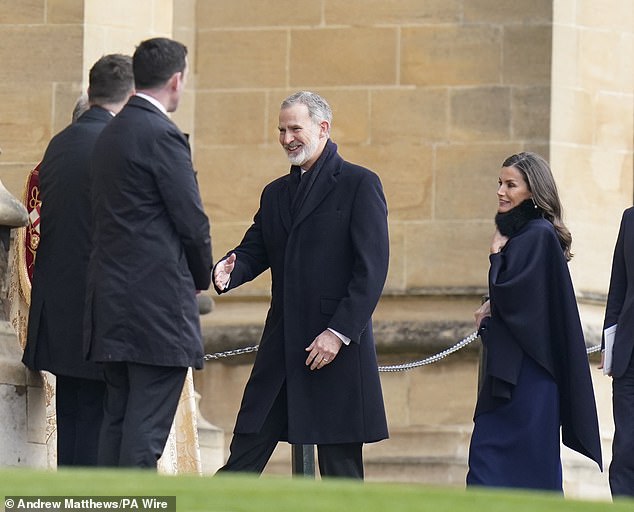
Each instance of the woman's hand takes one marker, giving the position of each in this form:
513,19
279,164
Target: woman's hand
482,312
498,242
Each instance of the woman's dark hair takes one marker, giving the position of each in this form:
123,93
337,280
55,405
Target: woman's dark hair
541,184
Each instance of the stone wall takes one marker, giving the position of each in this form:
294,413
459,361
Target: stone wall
592,123
430,95
47,48
41,50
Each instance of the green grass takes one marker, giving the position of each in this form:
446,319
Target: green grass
268,494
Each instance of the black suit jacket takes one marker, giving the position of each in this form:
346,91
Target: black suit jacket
54,340
620,306
328,266
151,244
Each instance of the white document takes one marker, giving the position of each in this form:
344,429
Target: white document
608,337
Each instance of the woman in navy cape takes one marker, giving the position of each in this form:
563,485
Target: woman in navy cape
536,375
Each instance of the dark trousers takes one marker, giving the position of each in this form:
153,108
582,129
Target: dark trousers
79,410
622,465
249,453
139,409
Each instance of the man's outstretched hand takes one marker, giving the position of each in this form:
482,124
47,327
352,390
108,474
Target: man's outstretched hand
222,271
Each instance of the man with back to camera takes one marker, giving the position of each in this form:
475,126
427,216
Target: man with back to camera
55,328
152,251
322,230
619,314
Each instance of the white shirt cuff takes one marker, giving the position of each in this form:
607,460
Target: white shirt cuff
344,339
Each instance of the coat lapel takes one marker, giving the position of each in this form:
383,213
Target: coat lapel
284,200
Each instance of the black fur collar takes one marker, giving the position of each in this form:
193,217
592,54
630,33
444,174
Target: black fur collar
509,223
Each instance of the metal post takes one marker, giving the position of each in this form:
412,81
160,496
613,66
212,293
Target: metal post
303,460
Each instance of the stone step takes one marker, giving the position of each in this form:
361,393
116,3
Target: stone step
422,470
415,469
437,455
280,461
446,441
428,441
580,481
582,478
585,481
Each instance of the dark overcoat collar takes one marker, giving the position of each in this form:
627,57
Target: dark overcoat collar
328,167
95,113
138,101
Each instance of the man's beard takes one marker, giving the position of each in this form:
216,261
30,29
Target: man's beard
305,152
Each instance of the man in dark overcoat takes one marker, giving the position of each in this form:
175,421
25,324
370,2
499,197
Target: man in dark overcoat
322,230
620,311
55,327
151,252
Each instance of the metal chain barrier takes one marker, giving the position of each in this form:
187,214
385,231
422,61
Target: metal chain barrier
229,353
431,359
391,368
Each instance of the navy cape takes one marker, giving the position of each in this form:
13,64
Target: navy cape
534,312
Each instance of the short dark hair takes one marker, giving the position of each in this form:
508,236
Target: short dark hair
111,79
156,60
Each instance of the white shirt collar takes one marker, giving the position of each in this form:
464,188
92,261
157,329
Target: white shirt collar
153,101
